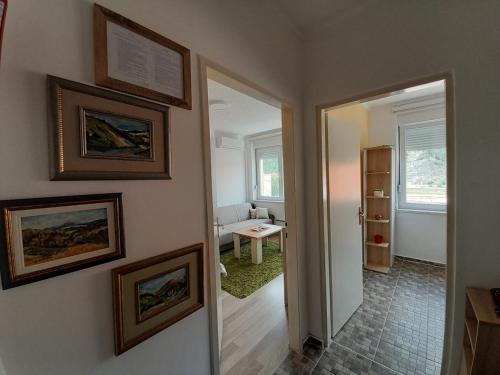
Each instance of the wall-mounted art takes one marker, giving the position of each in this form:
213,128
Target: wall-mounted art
152,294
3,12
46,237
97,134
131,58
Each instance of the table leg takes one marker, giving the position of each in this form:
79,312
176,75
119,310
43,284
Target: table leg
237,247
256,250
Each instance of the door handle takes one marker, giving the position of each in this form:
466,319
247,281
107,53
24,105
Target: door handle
361,215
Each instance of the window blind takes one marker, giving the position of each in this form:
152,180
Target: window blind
426,137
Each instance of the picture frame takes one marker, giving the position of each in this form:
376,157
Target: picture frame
98,134
45,237
152,294
134,59
3,14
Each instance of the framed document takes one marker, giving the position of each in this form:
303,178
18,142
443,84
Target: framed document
131,58
98,134
3,12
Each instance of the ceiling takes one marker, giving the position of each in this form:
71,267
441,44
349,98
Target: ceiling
308,15
416,92
242,115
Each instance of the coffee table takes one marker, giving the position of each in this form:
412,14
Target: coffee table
256,240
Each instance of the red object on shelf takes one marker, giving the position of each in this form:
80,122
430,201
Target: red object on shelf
378,238
3,13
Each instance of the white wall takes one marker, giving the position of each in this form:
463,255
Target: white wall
230,175
382,43
64,325
418,235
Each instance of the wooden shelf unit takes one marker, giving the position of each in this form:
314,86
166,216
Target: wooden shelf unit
378,173
481,334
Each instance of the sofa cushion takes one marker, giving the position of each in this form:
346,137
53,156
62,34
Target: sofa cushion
227,215
243,211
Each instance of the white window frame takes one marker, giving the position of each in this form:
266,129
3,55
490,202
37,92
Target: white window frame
402,200
259,153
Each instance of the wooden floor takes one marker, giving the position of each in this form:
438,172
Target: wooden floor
255,336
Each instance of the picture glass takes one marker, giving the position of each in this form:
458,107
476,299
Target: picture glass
162,291
110,136
54,236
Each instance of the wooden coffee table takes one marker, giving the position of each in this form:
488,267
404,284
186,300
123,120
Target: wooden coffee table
256,240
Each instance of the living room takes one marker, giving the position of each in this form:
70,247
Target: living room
249,218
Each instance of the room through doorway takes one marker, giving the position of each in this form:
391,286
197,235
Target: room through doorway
248,164
386,170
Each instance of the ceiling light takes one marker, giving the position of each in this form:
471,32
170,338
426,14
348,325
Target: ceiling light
218,105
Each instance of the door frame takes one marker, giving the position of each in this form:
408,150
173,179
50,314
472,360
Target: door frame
323,201
214,71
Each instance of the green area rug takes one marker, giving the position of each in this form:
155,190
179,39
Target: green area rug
243,277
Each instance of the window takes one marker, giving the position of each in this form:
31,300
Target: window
269,171
423,166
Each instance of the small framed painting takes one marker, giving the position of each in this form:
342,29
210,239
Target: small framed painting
134,59
96,134
46,237
3,12
152,294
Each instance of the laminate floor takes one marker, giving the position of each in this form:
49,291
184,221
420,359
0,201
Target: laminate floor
255,333
398,330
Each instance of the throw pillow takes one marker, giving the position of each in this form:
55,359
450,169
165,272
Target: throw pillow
253,213
262,213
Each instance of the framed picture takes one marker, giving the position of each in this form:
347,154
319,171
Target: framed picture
3,12
45,237
131,58
152,294
97,134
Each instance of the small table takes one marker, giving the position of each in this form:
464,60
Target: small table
256,240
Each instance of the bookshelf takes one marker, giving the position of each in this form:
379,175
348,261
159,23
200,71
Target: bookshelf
481,345
378,174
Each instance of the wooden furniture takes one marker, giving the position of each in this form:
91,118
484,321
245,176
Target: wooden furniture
256,240
378,174
482,334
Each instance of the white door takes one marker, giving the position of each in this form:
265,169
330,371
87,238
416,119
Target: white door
344,178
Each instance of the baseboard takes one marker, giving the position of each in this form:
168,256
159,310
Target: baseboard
314,341
420,261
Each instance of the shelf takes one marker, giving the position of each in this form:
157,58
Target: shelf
383,244
370,173
374,197
471,325
377,267
381,221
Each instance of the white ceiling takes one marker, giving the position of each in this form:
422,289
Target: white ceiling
408,94
308,15
243,114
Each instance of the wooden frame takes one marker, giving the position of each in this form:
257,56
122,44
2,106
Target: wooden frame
62,124
121,288
11,277
101,17
214,71
3,16
323,186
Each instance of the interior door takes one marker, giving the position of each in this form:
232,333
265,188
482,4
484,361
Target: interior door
344,203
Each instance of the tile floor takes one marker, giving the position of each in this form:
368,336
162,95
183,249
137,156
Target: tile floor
397,330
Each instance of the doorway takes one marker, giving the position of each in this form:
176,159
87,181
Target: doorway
386,169
262,186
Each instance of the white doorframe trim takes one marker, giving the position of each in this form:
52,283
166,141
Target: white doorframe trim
325,276
209,69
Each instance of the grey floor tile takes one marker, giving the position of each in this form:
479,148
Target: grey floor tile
377,369
295,364
341,361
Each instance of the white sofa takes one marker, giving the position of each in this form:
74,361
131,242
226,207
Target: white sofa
233,217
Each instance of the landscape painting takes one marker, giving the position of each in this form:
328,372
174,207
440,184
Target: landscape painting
110,136
162,291
53,236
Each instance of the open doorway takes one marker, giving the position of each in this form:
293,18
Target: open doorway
386,176
248,140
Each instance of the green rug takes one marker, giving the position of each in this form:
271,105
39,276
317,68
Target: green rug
243,277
